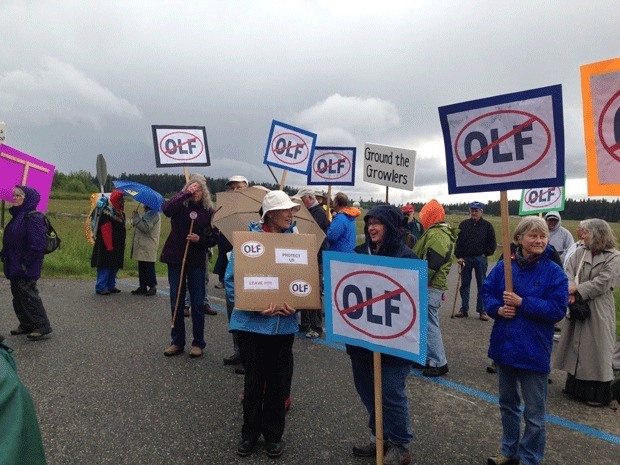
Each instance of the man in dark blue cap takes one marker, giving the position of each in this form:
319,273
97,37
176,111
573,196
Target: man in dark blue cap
475,242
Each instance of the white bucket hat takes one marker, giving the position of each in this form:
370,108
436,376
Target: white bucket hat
277,200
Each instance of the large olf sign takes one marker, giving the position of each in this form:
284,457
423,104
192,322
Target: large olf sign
334,166
511,141
180,146
289,148
380,303
600,86
541,200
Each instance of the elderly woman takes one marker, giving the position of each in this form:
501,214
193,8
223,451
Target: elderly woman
265,343
586,346
194,199
522,338
22,254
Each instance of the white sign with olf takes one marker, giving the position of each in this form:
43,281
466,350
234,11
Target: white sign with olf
289,148
180,146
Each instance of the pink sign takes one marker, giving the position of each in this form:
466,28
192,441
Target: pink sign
17,169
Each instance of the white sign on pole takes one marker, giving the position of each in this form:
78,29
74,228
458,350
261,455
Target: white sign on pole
541,200
289,148
2,132
334,166
389,166
376,302
180,146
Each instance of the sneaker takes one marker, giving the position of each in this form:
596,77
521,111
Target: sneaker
234,359
434,372
396,454
556,337
115,290
274,449
139,291
500,459
246,446
151,291
461,314
36,336
366,450
104,292
219,285
240,370
209,310
312,334
20,330
173,350
195,352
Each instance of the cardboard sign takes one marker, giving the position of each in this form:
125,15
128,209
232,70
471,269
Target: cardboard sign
333,166
289,148
180,146
600,86
389,166
511,141
541,200
17,168
275,268
376,302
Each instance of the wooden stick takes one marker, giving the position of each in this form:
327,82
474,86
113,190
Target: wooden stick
329,201
186,173
283,181
458,284
387,194
506,240
176,305
378,406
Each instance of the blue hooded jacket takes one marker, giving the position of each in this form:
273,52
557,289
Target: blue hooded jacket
23,243
253,321
525,341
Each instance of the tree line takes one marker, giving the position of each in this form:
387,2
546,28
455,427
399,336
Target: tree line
83,182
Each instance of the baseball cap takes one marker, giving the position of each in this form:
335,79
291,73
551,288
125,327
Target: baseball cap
477,205
552,215
303,192
238,179
408,208
277,200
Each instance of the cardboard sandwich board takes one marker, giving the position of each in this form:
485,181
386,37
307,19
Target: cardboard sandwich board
276,268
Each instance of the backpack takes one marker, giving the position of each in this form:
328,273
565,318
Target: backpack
52,241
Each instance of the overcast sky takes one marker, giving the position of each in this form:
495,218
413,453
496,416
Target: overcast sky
77,79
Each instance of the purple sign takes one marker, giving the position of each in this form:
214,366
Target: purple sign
17,169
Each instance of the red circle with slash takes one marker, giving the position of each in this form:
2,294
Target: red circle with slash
319,172
191,138
551,189
614,147
296,140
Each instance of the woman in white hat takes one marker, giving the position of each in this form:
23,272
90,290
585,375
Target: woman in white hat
266,344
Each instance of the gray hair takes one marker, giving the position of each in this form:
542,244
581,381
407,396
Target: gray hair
601,235
202,182
528,224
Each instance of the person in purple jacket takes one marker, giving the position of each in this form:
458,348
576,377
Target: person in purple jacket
194,197
22,253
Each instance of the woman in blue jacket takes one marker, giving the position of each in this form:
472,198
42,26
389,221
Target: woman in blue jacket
265,344
522,338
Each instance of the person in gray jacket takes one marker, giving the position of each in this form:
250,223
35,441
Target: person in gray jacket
147,228
559,237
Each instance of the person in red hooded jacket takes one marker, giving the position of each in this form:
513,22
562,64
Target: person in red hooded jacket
109,250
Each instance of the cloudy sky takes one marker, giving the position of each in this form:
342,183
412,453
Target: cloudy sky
77,80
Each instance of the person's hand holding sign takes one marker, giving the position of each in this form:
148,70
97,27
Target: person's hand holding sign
272,310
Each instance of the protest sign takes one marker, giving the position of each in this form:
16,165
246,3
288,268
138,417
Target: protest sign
334,166
511,141
18,168
389,166
180,146
541,200
600,86
289,148
376,302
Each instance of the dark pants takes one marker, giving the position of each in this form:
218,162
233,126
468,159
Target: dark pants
478,265
28,306
195,279
311,319
267,360
235,336
146,274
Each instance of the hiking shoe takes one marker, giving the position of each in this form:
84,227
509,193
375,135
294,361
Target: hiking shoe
115,290
461,314
312,334
396,454
151,291
240,370
274,449
139,291
20,330
500,459
173,350
234,359
434,372
209,310
246,446
195,352
366,450
36,336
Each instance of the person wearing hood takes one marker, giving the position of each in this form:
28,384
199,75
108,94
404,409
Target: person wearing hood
265,341
109,249
341,235
437,247
383,237
522,338
23,246
559,237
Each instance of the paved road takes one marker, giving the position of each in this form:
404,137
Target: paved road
105,394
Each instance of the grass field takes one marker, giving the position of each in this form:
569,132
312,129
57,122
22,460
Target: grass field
73,258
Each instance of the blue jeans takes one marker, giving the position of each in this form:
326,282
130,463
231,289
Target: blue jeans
435,352
395,408
479,265
106,279
530,449
195,282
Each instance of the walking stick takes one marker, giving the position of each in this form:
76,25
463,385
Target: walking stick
193,215
456,292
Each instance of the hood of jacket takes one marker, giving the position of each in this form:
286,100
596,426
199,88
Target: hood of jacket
351,212
31,200
432,213
391,218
